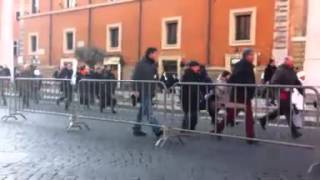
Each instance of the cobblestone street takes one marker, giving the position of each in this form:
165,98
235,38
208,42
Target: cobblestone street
42,149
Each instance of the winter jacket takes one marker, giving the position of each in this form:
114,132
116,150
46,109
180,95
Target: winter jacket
286,75
190,94
269,72
145,70
243,73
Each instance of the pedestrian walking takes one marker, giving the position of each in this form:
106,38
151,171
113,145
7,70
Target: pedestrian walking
25,85
243,73
106,89
66,87
285,75
267,76
3,85
146,70
218,99
190,95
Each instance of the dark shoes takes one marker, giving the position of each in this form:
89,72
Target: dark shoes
263,123
296,134
252,142
139,133
159,134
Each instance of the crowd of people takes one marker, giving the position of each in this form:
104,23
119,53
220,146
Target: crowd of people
197,91
242,80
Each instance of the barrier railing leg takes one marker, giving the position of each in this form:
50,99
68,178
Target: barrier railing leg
167,135
74,123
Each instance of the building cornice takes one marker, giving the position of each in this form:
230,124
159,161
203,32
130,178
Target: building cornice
85,7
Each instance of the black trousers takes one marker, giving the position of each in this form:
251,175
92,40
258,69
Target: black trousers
190,120
285,109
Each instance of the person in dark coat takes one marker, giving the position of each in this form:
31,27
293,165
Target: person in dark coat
106,89
3,84
243,73
25,85
285,75
267,76
190,95
269,71
83,86
66,87
146,70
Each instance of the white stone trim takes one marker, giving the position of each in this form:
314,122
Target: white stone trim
108,38
37,6
67,10
176,58
232,23
298,39
65,45
164,44
72,5
30,52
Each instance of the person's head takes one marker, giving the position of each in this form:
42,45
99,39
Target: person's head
225,75
26,67
248,55
82,68
99,70
69,66
194,66
152,53
272,62
289,61
107,68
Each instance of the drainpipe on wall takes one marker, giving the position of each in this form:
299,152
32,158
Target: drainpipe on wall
50,33
140,28
89,24
209,32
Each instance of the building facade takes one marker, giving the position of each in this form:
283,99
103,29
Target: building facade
213,32
16,31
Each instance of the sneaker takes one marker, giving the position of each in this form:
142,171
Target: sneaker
263,123
296,135
139,133
252,142
159,134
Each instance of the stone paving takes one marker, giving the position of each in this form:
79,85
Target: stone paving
42,149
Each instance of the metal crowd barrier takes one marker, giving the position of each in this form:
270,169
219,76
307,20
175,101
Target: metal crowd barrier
222,110
44,95
183,110
4,93
128,102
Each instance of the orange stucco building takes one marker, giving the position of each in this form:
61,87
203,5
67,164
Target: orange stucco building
211,31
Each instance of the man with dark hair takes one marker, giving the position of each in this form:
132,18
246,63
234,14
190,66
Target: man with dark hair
243,73
190,95
66,87
269,71
146,70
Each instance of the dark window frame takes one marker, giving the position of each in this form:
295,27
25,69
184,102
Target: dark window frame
243,23
172,32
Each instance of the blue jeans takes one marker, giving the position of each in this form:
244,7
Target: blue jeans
146,110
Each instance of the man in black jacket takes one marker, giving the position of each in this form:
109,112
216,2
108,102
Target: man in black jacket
243,73
190,95
66,87
285,75
146,71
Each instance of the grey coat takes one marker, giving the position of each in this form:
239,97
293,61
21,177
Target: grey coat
285,75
